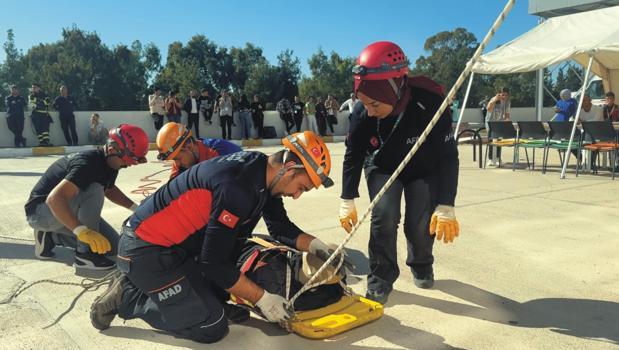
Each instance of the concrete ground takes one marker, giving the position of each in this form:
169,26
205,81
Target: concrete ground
535,267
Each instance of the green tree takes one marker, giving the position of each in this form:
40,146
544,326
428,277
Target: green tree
573,77
243,60
448,54
12,70
152,60
288,72
262,81
329,75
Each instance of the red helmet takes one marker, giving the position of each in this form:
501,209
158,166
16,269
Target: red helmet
131,141
381,60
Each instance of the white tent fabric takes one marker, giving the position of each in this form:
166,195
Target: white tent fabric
561,38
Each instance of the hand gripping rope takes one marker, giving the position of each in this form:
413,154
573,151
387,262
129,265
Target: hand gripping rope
467,70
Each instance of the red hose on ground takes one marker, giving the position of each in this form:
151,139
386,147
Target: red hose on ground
147,188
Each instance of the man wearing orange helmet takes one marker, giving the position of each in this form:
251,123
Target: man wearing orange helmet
65,206
178,251
397,110
175,142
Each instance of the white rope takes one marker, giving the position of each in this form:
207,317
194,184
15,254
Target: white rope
411,153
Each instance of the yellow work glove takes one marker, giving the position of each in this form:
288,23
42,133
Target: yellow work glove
348,214
443,224
97,242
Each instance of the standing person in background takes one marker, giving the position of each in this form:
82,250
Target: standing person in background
349,104
97,134
499,108
173,107
257,115
191,107
332,107
41,119
65,105
321,116
285,113
298,107
225,108
206,106
15,104
156,105
310,111
245,117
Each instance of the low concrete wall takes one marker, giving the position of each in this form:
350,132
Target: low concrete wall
143,120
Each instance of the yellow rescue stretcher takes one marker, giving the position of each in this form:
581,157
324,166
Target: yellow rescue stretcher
351,311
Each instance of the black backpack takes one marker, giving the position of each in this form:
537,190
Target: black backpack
277,270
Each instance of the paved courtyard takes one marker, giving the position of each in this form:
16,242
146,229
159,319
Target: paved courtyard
535,267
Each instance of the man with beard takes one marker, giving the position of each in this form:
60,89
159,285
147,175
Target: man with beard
178,251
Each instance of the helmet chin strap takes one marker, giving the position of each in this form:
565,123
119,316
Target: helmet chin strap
397,90
280,173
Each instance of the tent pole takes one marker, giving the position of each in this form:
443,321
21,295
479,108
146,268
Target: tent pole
466,98
577,117
539,101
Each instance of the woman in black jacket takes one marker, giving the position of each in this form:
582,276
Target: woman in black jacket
397,110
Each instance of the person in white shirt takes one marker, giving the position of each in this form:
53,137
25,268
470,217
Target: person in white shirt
589,112
349,104
156,107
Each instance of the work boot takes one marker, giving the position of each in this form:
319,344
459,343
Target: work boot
92,261
379,294
43,245
105,307
425,282
235,313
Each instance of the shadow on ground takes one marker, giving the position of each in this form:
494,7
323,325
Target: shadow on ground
19,173
26,252
582,318
390,329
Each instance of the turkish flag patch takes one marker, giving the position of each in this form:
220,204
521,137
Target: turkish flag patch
228,219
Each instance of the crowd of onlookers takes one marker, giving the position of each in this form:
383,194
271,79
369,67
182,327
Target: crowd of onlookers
313,114
319,116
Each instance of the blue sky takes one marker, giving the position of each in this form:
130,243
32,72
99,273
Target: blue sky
303,26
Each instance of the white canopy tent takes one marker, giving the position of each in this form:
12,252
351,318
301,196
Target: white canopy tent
589,38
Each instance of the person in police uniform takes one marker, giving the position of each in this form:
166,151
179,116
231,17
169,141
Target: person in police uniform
15,104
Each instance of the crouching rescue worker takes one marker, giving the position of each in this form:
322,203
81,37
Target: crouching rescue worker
178,251
397,110
66,202
175,142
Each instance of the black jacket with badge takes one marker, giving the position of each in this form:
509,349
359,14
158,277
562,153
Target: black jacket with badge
373,141
15,106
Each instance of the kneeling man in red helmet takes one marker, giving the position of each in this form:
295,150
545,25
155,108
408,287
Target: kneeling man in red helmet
65,205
